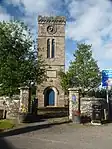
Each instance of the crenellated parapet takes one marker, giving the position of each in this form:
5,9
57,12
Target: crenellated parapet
52,19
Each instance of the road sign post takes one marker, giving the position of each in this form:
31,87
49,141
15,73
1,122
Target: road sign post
107,82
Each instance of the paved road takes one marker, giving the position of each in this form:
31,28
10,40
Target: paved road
64,136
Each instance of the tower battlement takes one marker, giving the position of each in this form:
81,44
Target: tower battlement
52,19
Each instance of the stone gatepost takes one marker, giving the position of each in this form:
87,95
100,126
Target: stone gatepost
24,99
74,101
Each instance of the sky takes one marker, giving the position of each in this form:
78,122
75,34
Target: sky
88,21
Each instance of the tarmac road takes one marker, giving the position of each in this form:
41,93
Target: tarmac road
65,136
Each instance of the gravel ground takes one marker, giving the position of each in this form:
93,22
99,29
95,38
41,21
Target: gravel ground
64,136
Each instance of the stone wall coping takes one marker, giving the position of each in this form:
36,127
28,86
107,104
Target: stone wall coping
93,99
24,87
74,89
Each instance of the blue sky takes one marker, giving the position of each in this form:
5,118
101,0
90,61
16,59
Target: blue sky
87,20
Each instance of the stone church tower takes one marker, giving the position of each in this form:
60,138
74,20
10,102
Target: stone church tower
51,45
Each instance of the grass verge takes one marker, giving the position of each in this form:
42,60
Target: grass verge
6,124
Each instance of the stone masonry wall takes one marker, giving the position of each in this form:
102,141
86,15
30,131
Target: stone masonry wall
11,106
15,105
86,105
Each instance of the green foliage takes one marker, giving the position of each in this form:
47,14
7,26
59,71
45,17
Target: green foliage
64,81
6,124
19,63
83,71
100,93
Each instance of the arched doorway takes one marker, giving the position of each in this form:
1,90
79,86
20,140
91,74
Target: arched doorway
49,97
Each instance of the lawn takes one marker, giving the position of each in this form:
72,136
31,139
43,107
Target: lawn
6,124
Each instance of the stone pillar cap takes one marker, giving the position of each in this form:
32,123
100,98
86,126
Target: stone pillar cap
24,87
74,89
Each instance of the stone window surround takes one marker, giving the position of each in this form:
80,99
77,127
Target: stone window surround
51,39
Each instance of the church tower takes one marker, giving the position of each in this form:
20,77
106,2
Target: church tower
51,45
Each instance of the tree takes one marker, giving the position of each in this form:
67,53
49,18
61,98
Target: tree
19,63
64,81
83,71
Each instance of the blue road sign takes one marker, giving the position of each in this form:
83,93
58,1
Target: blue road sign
107,77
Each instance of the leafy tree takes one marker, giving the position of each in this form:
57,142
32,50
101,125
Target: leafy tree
64,81
83,71
98,93
19,63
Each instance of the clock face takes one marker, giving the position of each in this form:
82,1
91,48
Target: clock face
51,29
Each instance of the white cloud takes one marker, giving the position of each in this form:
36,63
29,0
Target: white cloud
4,15
68,59
33,8
13,2
92,23
43,7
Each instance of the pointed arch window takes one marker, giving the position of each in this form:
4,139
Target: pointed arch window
48,48
53,49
